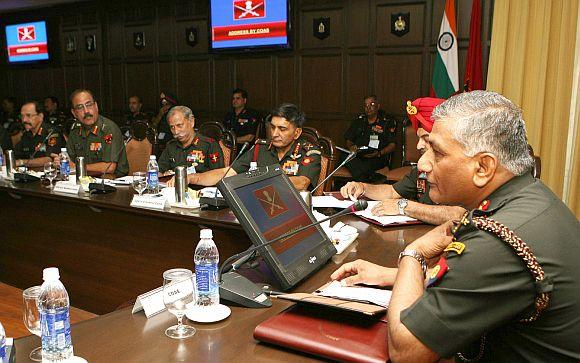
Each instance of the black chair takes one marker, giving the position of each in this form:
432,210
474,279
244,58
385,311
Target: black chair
225,138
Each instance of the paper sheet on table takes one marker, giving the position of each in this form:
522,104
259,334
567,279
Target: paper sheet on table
340,235
209,192
328,201
357,293
384,220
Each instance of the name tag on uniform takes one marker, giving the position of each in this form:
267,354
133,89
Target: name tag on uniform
374,142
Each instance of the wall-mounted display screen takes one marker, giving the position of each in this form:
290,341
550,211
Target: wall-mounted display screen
246,24
27,42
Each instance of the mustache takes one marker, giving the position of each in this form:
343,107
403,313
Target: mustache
27,123
87,116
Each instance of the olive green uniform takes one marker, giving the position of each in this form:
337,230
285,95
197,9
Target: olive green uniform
101,142
303,159
414,188
203,154
47,140
488,288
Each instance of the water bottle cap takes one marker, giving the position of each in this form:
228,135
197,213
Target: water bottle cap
152,157
50,273
206,233
63,149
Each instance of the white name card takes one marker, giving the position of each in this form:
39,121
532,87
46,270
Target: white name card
151,202
66,187
150,302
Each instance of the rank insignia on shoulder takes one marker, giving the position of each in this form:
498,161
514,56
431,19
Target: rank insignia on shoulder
313,152
438,272
457,247
307,161
196,141
484,205
214,158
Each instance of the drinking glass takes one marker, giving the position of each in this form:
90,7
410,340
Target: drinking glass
32,317
50,171
139,182
178,292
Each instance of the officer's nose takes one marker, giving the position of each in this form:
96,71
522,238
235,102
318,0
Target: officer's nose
425,164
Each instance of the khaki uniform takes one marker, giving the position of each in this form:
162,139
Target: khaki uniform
203,154
487,289
413,188
48,140
303,159
102,142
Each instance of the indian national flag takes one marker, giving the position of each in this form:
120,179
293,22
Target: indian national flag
445,73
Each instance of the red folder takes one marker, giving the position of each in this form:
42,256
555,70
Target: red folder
324,332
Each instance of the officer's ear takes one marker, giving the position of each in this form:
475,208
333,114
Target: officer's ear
485,167
297,132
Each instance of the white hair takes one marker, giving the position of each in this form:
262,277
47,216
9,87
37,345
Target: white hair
489,122
184,110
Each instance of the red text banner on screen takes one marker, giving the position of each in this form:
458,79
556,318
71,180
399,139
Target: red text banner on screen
28,49
262,30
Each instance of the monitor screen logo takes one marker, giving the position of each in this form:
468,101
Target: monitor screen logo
247,9
270,200
26,33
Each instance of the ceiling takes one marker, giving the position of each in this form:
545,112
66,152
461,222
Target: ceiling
17,5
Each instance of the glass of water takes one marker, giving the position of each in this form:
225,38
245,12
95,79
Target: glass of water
178,293
32,317
50,171
139,182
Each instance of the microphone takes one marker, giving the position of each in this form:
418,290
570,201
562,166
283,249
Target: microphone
216,203
350,156
102,188
238,289
25,177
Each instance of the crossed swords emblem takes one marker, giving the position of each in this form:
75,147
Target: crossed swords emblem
270,201
248,9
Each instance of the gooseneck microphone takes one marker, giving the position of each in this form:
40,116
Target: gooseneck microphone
102,188
216,203
238,289
350,156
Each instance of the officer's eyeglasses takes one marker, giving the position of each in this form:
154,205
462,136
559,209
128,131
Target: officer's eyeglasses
371,105
28,115
81,107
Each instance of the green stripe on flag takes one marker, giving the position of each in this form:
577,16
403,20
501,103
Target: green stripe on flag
441,82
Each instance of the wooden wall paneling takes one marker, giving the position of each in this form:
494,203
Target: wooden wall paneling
337,33
164,32
463,10
57,87
92,79
74,37
115,38
357,23
255,76
438,10
193,85
72,76
390,70
321,83
20,85
286,82
118,88
38,82
150,48
140,80
223,87
357,84
202,37
166,81
383,25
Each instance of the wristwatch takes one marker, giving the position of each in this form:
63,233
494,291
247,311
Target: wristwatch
417,256
402,204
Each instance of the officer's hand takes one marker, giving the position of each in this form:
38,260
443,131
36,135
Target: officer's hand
55,158
432,243
387,207
361,271
170,182
353,148
352,189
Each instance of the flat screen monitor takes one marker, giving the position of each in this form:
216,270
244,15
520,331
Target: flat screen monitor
267,206
27,42
247,24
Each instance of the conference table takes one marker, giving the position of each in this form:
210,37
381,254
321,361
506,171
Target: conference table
109,252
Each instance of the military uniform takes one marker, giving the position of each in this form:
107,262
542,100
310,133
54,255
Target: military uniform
376,136
130,119
101,142
40,144
482,287
303,159
203,154
245,123
414,188
56,119
164,134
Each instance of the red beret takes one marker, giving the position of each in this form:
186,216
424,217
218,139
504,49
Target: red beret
420,110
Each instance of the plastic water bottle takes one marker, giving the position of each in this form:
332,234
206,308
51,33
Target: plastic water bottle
153,175
64,164
206,260
54,308
2,344
253,166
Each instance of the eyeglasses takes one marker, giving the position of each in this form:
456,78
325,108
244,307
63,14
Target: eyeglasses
28,115
371,105
80,107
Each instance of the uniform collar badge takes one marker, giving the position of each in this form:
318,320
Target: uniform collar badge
295,154
457,247
484,205
196,141
438,271
95,129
